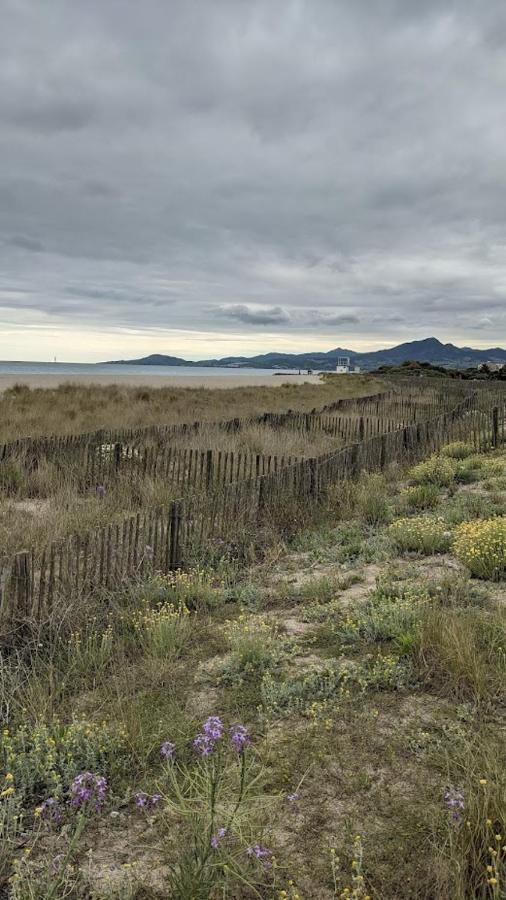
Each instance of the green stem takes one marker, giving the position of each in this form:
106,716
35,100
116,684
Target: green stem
81,822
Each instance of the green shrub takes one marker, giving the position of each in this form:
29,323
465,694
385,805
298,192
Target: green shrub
44,759
421,496
382,618
339,681
255,643
481,546
438,470
472,505
372,499
457,450
422,534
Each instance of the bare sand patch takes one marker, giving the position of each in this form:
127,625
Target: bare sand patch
152,380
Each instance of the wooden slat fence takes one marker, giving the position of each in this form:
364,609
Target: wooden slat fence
161,539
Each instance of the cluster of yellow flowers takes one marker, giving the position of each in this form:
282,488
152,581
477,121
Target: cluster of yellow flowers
90,649
320,713
423,534
357,889
250,627
50,755
148,617
163,630
440,470
481,546
255,640
8,789
291,894
497,854
195,587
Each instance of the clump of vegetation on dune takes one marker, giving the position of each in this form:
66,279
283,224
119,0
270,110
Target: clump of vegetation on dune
292,729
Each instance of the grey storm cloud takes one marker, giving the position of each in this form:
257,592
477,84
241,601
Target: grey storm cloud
261,316
307,166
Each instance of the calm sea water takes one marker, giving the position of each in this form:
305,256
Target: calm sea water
43,368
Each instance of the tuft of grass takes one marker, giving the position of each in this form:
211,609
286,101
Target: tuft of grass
420,497
457,450
372,500
461,653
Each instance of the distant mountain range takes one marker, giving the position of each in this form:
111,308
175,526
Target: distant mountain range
429,350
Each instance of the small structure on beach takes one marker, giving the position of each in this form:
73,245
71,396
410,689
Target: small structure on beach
345,367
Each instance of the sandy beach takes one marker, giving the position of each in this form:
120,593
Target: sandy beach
180,381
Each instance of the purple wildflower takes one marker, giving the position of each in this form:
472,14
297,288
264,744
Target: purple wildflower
454,800
167,750
263,854
218,837
101,491
240,738
213,728
145,801
212,731
88,788
49,811
292,798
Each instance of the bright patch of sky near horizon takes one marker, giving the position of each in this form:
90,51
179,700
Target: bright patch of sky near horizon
211,179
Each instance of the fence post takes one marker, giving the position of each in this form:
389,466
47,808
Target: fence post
313,476
22,581
261,494
175,518
495,427
383,451
209,468
117,456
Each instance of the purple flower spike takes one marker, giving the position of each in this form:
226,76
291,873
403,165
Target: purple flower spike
49,811
101,491
212,731
263,854
240,738
88,788
144,801
218,837
213,728
204,745
454,800
141,800
167,751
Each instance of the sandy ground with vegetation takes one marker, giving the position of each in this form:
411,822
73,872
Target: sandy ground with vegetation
154,380
324,724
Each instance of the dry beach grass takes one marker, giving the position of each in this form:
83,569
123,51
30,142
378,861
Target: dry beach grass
84,406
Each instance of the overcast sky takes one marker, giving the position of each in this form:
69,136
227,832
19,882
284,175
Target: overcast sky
208,177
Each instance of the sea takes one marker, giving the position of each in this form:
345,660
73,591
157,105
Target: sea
56,368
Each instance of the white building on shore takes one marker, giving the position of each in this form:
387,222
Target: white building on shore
344,366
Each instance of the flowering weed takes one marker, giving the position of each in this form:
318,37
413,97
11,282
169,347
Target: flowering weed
162,632
438,470
421,534
481,546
